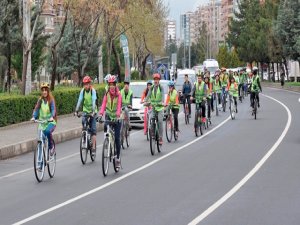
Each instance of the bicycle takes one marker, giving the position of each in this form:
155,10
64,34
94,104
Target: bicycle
42,156
109,153
208,121
148,113
170,130
232,107
86,139
154,131
186,110
224,97
255,106
198,120
216,99
125,133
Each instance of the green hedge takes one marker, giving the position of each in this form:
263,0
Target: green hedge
17,108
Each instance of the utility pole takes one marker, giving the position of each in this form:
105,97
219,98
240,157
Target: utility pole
189,41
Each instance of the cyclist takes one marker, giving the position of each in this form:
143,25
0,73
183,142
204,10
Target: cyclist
210,81
144,95
209,96
172,98
224,80
88,97
241,82
111,105
199,94
186,92
233,91
156,96
45,109
255,87
217,88
127,99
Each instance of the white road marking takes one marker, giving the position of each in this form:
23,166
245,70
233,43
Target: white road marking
117,179
61,159
218,203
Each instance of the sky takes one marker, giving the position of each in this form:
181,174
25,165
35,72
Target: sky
178,7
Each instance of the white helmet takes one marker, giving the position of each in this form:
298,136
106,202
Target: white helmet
254,68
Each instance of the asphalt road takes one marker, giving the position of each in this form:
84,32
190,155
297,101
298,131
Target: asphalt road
241,172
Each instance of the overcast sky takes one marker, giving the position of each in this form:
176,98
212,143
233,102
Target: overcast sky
178,7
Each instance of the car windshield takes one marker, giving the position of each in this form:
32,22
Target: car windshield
137,90
212,70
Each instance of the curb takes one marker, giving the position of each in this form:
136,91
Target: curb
278,86
20,148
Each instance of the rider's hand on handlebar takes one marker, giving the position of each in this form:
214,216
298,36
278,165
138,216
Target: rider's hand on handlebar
76,113
51,119
32,119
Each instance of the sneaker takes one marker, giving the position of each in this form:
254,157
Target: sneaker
160,141
118,163
129,128
203,120
52,151
220,106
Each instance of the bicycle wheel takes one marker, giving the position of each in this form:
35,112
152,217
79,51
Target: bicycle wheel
148,129
39,162
152,139
51,163
157,141
231,109
224,103
93,156
169,128
196,125
216,105
114,160
105,156
175,135
123,134
255,108
127,136
83,151
186,112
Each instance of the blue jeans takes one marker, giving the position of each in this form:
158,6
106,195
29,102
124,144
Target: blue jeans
92,124
48,133
117,130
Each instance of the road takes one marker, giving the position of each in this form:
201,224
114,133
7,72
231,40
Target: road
242,171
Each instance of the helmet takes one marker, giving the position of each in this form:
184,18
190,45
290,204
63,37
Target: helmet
156,76
254,68
112,79
107,77
223,69
86,79
149,82
45,85
171,83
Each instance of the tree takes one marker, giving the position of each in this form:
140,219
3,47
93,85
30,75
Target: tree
287,28
223,57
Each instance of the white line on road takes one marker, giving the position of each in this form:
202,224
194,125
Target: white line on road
117,179
61,159
217,204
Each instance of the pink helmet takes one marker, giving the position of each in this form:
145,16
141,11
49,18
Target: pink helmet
112,79
86,79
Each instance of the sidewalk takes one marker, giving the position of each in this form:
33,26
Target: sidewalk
21,138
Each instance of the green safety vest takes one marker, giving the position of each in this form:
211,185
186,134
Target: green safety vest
237,79
111,107
126,99
254,86
199,92
233,90
217,87
45,114
156,100
87,102
173,99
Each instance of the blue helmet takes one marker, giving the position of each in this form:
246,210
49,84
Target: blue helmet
149,82
171,83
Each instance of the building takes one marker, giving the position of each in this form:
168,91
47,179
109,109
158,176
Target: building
170,31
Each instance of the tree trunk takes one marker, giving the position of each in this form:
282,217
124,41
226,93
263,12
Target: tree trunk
117,57
8,66
24,70
269,75
278,72
286,68
100,65
144,66
54,66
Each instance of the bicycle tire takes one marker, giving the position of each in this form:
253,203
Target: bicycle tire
217,109
83,152
157,142
117,169
152,139
175,136
127,137
51,163
93,156
224,103
231,109
39,170
196,125
169,129
105,156
122,134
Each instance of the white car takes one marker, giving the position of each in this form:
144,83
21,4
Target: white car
136,115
